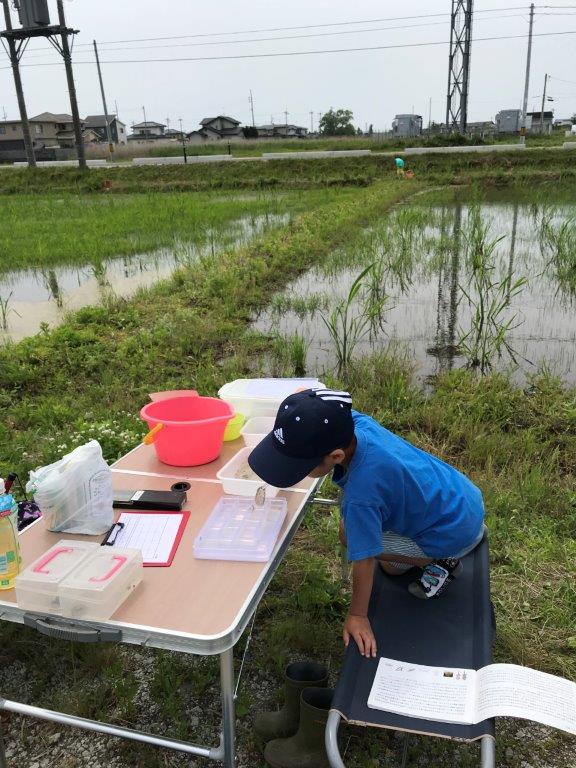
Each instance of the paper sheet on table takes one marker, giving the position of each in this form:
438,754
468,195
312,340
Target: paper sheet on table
156,534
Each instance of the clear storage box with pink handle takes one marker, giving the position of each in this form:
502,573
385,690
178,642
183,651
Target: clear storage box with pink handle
100,584
37,585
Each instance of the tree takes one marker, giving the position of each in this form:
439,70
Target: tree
573,118
371,130
250,132
337,123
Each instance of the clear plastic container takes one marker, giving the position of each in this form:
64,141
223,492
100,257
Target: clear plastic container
239,480
256,430
100,584
262,397
37,585
237,529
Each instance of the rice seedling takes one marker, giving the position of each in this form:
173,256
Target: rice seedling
348,324
489,297
301,306
5,310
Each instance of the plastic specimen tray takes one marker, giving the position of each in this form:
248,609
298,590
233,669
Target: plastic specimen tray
239,530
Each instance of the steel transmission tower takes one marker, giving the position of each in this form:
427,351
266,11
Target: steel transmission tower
459,65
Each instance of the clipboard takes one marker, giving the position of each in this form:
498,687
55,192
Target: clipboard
156,533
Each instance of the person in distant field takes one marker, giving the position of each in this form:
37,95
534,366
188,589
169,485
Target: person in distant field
401,507
400,166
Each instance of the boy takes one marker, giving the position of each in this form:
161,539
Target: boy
401,506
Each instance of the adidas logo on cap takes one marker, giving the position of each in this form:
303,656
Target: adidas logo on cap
279,435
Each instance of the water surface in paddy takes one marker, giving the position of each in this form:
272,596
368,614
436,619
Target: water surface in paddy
31,297
425,258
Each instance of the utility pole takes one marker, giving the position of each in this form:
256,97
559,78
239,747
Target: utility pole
543,103
15,52
145,121
286,118
106,117
311,121
67,56
430,114
527,80
251,100
183,141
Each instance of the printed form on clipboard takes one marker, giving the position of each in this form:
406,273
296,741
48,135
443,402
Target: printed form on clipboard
156,534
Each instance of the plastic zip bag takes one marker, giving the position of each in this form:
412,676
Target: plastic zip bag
75,494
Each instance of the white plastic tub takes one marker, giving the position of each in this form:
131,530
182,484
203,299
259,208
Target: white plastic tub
237,529
37,586
238,486
100,584
256,429
262,397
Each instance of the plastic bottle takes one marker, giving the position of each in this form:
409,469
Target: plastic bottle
9,544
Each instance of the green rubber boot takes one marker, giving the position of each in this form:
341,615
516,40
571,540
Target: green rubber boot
300,675
306,749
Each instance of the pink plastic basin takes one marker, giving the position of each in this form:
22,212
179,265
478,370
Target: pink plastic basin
192,431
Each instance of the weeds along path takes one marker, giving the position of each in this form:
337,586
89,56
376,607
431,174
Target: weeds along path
98,367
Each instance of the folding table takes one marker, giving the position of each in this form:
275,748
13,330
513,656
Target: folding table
456,630
194,606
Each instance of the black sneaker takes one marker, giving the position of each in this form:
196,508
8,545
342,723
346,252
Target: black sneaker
435,578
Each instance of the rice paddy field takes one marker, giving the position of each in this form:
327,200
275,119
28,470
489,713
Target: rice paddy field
445,304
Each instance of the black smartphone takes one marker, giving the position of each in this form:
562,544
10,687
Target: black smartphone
165,501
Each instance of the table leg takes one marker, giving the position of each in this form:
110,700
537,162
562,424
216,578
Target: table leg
228,708
3,763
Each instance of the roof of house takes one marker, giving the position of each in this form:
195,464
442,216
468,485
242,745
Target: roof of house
99,121
223,117
149,124
51,117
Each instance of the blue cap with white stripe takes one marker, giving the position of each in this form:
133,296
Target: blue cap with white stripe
309,425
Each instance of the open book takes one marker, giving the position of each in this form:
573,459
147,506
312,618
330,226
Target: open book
469,696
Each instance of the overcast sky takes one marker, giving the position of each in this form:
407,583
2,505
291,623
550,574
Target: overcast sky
375,85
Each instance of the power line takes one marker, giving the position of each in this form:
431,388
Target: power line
307,53
312,26
286,37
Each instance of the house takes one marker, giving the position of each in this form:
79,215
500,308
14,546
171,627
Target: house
217,128
67,139
282,131
538,122
47,130
148,130
508,121
482,129
97,124
563,124
406,126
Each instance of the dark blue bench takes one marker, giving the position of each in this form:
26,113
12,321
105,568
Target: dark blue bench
457,630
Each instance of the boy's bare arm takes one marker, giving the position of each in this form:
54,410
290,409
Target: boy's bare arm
357,624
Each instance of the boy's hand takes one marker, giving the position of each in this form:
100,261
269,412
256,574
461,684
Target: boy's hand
359,628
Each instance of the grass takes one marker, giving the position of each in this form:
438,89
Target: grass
545,166
73,229
375,143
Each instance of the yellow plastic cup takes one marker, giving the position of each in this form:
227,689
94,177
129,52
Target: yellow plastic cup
232,431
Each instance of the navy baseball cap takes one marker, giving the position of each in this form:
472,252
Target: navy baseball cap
309,425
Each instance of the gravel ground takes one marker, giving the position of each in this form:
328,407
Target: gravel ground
35,744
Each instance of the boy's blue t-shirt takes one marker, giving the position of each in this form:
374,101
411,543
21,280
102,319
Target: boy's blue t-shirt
391,485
